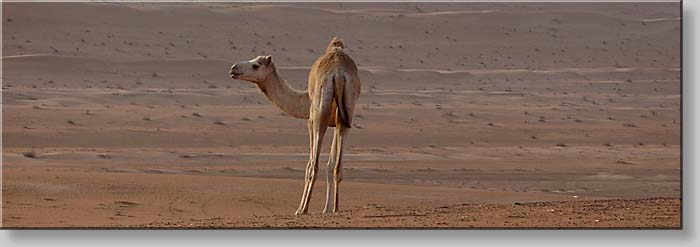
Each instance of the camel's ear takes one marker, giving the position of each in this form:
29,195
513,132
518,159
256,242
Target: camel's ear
267,60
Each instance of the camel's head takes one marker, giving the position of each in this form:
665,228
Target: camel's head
255,70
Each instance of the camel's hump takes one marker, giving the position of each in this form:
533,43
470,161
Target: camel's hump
335,45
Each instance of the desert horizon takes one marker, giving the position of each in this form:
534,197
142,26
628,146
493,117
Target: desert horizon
495,115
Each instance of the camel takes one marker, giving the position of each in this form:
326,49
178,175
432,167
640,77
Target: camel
329,101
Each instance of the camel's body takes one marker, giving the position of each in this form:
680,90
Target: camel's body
334,87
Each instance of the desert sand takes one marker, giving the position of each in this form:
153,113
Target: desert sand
472,115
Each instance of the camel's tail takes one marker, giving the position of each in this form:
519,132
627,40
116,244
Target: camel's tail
339,80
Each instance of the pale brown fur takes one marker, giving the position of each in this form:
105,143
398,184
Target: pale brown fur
332,61
333,89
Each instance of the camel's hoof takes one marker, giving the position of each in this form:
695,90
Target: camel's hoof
299,212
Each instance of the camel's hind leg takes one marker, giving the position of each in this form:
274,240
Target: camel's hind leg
308,167
334,169
311,168
340,134
319,123
332,161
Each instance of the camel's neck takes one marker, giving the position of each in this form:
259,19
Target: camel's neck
291,101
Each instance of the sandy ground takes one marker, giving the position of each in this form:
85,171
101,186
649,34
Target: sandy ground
472,115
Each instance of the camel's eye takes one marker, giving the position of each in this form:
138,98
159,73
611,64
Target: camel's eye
255,66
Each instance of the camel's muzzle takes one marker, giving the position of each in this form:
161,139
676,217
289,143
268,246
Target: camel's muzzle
234,75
